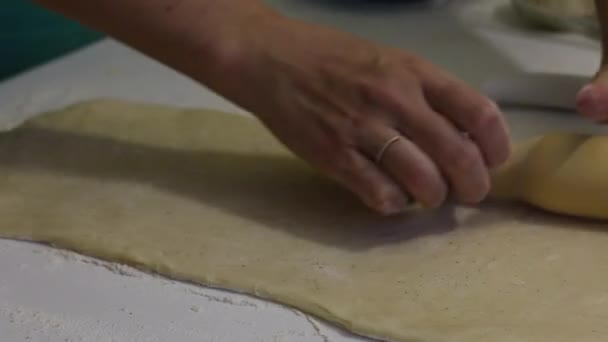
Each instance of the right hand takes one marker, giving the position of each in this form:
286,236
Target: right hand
335,100
592,99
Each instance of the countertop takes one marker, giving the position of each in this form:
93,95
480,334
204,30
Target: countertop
51,295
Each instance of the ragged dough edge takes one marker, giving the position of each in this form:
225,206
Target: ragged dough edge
564,173
291,300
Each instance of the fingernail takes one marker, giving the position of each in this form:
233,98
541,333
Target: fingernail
591,103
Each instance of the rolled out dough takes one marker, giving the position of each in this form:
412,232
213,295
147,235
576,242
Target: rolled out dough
212,198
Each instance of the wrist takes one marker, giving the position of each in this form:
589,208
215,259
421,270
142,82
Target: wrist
220,43
210,41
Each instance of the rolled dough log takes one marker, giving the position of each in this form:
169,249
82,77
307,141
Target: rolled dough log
212,198
561,172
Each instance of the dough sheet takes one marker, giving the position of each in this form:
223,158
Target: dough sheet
212,198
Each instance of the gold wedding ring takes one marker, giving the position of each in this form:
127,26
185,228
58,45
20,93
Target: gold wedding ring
385,148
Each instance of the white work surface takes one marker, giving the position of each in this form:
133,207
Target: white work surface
51,295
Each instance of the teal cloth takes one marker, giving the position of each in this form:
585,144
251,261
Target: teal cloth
31,35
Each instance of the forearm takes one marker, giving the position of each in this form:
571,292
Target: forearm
196,37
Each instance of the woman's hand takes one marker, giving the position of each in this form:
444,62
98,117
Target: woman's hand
592,100
337,100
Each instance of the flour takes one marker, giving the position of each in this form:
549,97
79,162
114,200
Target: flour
61,255
223,300
39,323
42,326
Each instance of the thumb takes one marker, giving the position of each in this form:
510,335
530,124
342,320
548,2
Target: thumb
592,99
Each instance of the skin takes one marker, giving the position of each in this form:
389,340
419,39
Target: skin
334,99
592,100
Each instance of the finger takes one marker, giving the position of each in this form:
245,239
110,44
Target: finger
592,99
407,165
371,185
472,113
458,158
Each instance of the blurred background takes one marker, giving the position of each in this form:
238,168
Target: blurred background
30,35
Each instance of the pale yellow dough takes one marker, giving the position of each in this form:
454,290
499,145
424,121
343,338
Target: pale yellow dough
214,199
561,172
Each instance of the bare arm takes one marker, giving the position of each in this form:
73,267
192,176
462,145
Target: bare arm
334,99
200,38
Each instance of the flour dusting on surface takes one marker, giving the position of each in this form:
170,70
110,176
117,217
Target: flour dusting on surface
60,255
220,299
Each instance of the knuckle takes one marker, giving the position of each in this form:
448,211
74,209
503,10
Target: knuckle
463,157
445,86
387,83
487,118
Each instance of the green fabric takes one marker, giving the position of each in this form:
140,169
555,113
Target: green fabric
31,35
